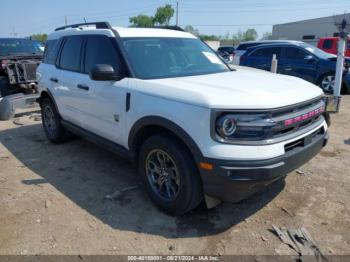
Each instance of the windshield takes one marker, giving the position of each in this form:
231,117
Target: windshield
171,57
19,46
317,52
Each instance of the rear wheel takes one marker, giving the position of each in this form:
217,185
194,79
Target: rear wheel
170,174
53,128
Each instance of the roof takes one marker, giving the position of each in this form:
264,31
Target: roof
268,41
284,43
122,31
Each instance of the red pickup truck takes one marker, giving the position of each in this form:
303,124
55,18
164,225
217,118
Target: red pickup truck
330,45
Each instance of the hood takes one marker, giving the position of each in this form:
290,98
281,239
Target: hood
244,88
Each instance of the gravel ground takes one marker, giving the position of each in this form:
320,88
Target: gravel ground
52,201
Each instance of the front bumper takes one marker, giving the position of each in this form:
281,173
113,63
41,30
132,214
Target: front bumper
233,181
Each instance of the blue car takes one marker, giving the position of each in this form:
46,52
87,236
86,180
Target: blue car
298,59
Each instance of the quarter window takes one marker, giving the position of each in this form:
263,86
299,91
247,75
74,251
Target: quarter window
70,55
99,50
50,53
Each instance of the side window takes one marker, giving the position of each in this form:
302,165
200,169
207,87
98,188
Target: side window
99,50
327,44
295,53
50,53
70,54
268,52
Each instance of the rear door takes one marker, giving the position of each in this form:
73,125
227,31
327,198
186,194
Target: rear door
104,106
66,79
296,61
261,57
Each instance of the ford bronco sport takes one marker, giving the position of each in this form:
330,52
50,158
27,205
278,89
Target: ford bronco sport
162,98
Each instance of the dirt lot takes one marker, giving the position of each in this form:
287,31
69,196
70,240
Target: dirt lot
52,201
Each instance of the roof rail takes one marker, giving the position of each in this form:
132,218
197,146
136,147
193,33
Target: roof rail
99,25
169,27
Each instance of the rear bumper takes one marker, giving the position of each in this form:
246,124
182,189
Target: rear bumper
233,181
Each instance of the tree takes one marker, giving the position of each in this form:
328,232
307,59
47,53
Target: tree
192,30
163,15
267,36
250,35
142,21
39,37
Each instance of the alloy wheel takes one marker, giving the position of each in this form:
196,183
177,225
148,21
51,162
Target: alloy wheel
49,120
162,174
328,83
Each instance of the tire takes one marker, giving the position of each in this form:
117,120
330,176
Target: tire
4,86
327,83
178,189
7,110
53,128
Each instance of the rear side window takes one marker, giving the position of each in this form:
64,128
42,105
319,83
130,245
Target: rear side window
295,53
70,54
99,50
327,44
267,52
51,50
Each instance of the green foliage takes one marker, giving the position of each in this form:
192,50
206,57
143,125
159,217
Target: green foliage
192,30
162,17
249,35
267,36
142,21
39,37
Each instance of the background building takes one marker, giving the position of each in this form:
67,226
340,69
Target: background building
309,31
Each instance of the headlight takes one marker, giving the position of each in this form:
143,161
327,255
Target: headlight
226,126
242,127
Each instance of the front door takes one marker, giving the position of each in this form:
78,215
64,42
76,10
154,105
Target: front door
104,101
297,62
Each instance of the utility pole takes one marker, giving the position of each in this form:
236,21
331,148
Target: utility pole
177,13
65,20
343,36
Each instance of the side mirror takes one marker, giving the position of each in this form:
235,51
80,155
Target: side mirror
104,73
309,58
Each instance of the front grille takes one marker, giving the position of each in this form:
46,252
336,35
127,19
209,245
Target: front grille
30,71
303,141
297,117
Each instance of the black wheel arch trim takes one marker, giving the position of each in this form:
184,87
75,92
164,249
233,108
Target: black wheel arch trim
48,92
171,127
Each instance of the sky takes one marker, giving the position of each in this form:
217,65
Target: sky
23,18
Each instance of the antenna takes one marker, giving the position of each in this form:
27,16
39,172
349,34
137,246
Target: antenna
85,20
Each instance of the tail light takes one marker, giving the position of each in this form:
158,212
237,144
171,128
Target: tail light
241,59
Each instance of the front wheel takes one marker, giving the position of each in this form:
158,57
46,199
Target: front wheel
170,174
327,83
51,122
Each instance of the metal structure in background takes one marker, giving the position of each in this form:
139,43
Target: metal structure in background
333,102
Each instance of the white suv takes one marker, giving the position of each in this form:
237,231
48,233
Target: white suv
163,99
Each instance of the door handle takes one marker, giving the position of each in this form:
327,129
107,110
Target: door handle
53,79
288,69
84,87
